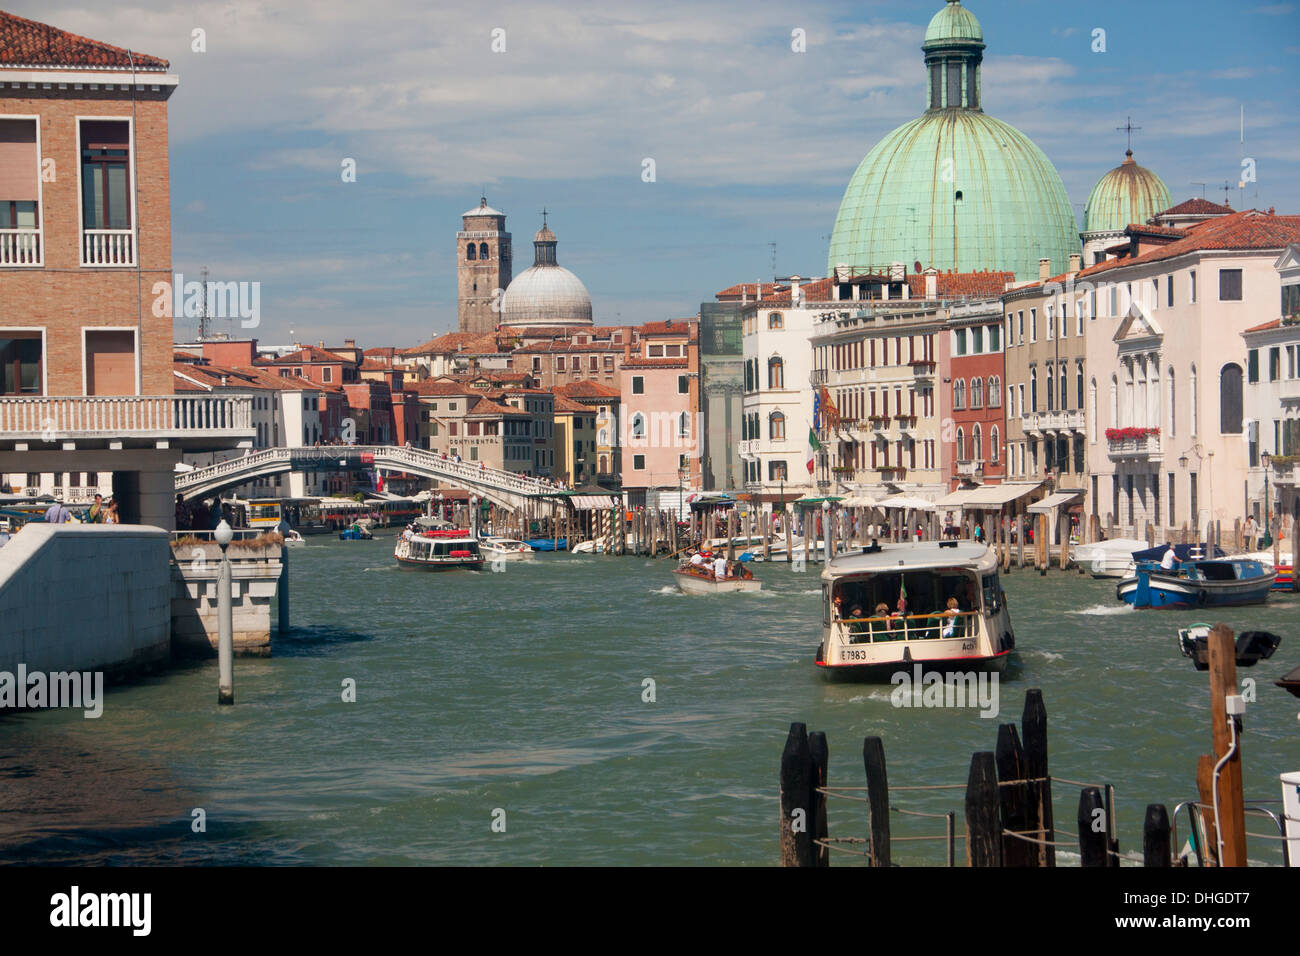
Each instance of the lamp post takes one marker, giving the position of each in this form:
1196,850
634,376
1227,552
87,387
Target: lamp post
225,620
1266,459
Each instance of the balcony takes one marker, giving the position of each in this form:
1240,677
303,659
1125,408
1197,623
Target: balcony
1054,422
20,247
1134,448
1282,469
922,372
878,423
119,421
108,247
970,468
906,423
817,377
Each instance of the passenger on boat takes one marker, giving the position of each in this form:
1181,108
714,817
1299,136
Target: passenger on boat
950,618
885,623
719,568
1170,560
697,560
857,626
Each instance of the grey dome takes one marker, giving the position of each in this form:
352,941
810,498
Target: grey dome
546,293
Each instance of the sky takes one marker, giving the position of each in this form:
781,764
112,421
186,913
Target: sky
752,142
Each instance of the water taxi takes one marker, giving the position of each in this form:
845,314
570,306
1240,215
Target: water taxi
1107,559
700,580
1215,582
495,548
891,607
438,550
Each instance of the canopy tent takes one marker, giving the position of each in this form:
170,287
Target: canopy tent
816,502
906,502
956,499
859,501
994,497
1054,501
593,502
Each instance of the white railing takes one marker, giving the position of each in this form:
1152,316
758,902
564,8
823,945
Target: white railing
1054,421
50,418
1148,447
20,247
107,247
970,468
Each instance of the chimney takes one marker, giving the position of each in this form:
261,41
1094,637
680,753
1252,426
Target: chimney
1044,269
1076,262
794,290
759,293
349,343
931,284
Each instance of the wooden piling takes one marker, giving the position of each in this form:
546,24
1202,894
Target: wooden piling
1033,724
1295,548
873,758
1092,828
820,754
983,812
767,537
1223,682
796,774
1156,847
1014,799
787,519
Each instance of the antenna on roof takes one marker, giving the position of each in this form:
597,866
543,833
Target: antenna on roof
773,246
205,319
1202,185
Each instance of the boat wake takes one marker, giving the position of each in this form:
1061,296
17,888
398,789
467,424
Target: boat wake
1102,609
877,695
1047,655
667,589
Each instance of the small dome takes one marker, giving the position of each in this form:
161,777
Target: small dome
1127,194
954,23
546,293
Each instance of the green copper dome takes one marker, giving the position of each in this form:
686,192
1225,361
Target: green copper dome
955,189
1127,194
954,22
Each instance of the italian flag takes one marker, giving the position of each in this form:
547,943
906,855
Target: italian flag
814,446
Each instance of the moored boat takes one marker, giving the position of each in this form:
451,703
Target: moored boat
547,544
1285,580
1214,582
496,548
948,611
700,580
1107,559
438,550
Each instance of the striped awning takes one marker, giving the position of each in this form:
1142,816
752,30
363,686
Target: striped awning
1051,502
593,502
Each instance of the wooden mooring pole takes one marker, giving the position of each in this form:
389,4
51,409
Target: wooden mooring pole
820,754
1156,846
873,757
796,781
1033,724
1092,828
1014,797
1227,747
983,812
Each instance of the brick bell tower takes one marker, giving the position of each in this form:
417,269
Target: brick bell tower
483,266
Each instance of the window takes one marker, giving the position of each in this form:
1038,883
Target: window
656,351
105,174
961,445
471,252
638,462
559,363
1169,291
684,425
1078,384
1274,364
1062,392
1050,319
1195,403
775,373
327,374
20,363
995,392
1229,285
1230,399
977,443
1252,365
638,425
977,392
638,385
1020,335
994,453
776,426
1192,286
959,338
976,340
958,394
775,320
1033,391
1051,396
995,344
776,471
482,250
1173,405
1033,325
683,384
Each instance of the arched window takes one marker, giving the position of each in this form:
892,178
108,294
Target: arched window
961,445
775,320
959,394
1033,391
1092,407
602,438
684,425
482,250
638,425
1063,392
1050,391
776,426
977,392
976,443
604,465
995,392
1230,399
775,372
1114,400
1078,383
1173,403
994,452
471,251
1196,418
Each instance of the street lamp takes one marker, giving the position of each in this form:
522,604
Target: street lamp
225,619
1266,459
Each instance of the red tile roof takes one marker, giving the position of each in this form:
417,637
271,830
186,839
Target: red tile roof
568,405
1247,230
28,43
637,362
587,390
1275,324
308,354
1196,207
961,285
749,290
441,387
486,407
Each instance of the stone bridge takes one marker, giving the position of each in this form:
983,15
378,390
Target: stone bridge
505,488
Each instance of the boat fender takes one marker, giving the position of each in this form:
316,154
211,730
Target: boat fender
1008,641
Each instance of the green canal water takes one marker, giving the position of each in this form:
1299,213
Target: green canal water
522,692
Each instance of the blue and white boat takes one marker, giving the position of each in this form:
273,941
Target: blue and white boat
1211,582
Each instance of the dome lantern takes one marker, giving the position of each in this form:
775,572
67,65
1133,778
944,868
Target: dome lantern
547,294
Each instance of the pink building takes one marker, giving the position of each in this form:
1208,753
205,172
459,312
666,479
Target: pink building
659,428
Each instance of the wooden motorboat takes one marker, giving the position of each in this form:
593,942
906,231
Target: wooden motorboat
1215,582
700,580
496,548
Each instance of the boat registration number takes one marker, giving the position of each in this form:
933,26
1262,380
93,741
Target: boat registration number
854,654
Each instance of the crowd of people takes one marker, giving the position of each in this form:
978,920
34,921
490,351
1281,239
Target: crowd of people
100,512
716,566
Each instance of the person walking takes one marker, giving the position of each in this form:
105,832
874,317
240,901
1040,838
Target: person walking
57,513
1250,529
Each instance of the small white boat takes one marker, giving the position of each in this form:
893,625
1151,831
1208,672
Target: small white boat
504,549
1107,559
588,547
293,539
692,580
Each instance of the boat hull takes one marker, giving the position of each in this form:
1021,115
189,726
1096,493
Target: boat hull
1151,589
698,584
882,672
406,564
547,544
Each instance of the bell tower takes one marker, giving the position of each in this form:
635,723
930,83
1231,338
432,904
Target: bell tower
483,268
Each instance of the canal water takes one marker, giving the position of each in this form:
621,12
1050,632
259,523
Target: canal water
518,699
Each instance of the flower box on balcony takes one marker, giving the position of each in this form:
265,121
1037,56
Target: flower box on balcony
885,469
1121,434
921,363
842,470
906,421
881,421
